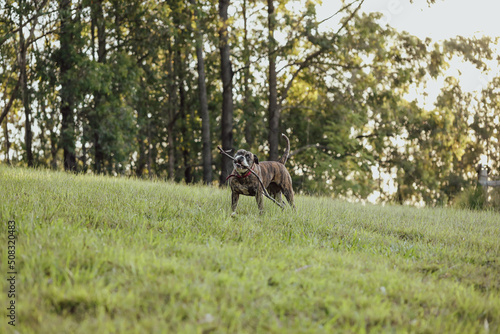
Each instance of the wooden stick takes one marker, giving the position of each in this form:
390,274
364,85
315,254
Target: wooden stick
258,178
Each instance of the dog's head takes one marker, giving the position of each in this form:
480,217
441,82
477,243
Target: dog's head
244,160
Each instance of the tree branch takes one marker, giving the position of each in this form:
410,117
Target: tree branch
12,98
303,148
350,18
337,12
312,56
35,16
320,147
375,134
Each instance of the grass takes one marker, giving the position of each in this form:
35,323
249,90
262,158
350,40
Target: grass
112,255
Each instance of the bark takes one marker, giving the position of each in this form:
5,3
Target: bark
171,151
99,23
150,148
67,140
227,94
53,143
141,160
141,136
247,106
7,143
172,115
25,97
6,109
143,126
84,154
179,65
202,94
274,110
43,128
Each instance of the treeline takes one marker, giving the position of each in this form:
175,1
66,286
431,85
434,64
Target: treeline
150,88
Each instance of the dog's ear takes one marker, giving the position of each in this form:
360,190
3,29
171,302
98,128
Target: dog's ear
255,159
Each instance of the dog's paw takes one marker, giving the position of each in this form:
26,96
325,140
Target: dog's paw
233,214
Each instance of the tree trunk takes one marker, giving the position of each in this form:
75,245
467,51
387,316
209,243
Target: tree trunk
141,160
179,65
227,94
274,111
142,125
100,24
150,148
248,109
53,143
84,153
202,94
25,96
53,150
171,108
13,96
7,143
171,151
141,136
67,139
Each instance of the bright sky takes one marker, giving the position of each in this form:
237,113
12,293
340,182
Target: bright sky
444,19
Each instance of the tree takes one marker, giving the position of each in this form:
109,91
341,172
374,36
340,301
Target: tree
123,87
202,92
66,62
227,86
96,117
274,111
297,66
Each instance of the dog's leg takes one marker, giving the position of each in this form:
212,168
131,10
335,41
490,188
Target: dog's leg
234,202
259,197
289,197
277,197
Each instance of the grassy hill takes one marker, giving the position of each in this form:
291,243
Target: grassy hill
113,255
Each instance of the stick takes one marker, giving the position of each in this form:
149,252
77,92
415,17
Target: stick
258,178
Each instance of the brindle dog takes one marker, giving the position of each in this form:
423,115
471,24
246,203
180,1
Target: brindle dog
273,174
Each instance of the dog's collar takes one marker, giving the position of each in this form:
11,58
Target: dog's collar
241,176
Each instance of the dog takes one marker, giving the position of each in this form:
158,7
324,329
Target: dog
273,174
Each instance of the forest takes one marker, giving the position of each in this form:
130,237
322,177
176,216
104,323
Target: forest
150,88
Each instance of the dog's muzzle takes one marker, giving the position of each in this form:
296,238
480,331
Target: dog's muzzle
240,162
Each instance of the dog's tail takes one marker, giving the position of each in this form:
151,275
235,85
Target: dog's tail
285,155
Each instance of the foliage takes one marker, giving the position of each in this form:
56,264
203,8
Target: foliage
126,72
471,198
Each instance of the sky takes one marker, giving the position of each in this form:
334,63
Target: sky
442,20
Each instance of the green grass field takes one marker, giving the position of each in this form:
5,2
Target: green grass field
115,255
